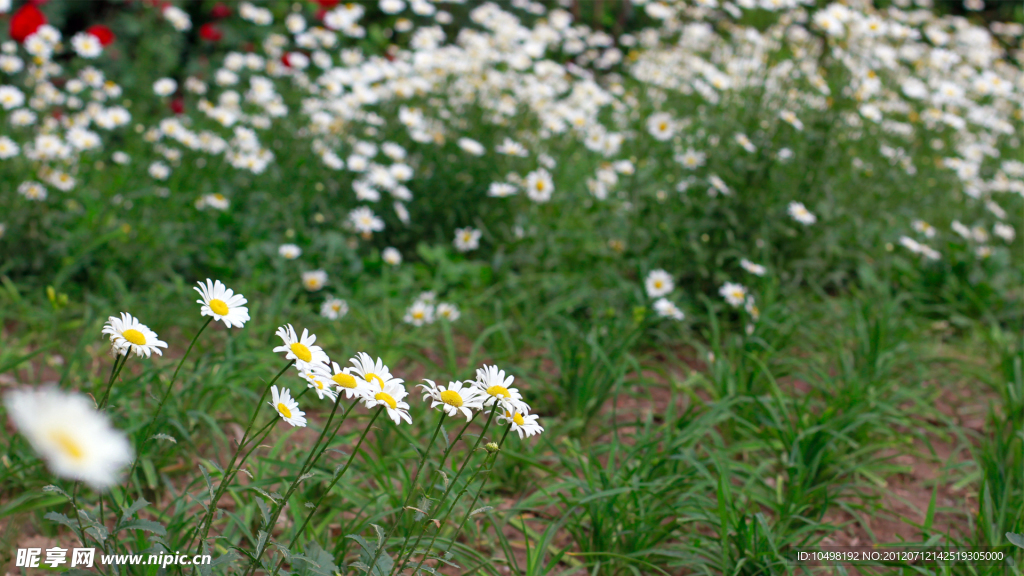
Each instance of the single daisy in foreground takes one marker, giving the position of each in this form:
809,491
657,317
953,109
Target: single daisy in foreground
497,389
74,439
665,308
457,397
127,334
525,426
287,407
391,398
221,303
301,349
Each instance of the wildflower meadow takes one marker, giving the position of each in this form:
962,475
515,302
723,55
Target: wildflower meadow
516,287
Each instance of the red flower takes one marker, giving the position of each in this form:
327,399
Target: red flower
178,105
285,60
25,22
102,33
327,4
210,32
220,10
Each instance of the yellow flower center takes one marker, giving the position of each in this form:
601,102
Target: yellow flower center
540,185
219,307
737,294
657,284
284,410
301,352
134,336
451,398
417,314
387,399
344,380
372,376
498,391
663,126
518,419
67,444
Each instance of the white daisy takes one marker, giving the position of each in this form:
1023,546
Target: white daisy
471,146
287,407
801,214
661,126
127,334
74,439
658,283
391,256
419,313
348,383
447,311
498,389
314,280
539,185
665,308
457,397
391,398
318,377
734,294
334,308
755,269
373,373
467,239
221,303
525,426
289,251
302,350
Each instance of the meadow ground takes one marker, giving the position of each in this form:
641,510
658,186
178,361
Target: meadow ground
646,287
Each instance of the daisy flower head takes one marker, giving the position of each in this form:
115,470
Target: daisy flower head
74,439
289,251
661,126
539,185
665,308
301,349
346,382
801,214
497,389
318,377
376,374
287,407
447,311
127,334
755,269
457,397
471,146
419,313
334,308
390,397
524,424
221,303
364,221
314,280
391,256
658,283
467,239
734,294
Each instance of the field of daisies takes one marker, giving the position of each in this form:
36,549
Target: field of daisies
602,287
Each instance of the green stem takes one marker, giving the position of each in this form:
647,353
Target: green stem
445,495
440,466
472,506
412,491
310,461
228,476
159,407
334,481
115,370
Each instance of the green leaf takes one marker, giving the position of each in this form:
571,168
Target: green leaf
1015,539
147,525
